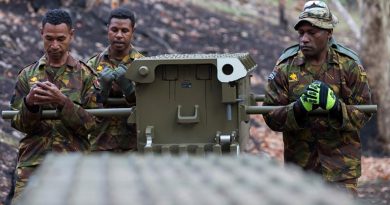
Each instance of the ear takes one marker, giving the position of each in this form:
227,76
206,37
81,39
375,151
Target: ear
41,29
330,34
71,33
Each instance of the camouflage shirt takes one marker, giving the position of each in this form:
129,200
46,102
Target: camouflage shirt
114,134
68,133
323,141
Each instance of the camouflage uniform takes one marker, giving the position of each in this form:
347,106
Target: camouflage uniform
114,134
322,144
70,132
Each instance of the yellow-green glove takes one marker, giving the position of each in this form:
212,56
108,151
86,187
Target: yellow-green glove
328,100
304,103
310,98
313,92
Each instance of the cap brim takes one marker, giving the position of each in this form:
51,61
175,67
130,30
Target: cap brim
315,22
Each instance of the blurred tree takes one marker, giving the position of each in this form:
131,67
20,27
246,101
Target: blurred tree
375,54
117,3
348,18
298,6
282,14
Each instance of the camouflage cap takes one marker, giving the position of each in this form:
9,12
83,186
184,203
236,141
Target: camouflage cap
318,14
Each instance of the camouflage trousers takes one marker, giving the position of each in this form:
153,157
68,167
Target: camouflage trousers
114,135
22,174
349,186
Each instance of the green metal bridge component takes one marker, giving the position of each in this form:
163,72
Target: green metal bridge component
161,179
53,114
117,101
109,112
230,67
191,102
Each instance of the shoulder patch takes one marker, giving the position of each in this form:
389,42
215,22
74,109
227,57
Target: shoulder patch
346,51
272,75
288,52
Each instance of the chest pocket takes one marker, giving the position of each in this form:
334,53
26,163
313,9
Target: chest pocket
297,82
37,77
71,86
342,90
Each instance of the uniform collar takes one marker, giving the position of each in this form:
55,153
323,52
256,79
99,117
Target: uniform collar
70,61
299,59
133,54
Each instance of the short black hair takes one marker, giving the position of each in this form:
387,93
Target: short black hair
122,13
56,17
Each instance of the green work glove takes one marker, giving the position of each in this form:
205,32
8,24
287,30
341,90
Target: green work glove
328,100
310,98
304,103
313,93
105,78
125,84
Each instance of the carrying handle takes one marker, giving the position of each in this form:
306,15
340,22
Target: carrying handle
188,119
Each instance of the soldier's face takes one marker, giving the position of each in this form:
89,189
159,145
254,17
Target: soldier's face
312,40
120,33
56,40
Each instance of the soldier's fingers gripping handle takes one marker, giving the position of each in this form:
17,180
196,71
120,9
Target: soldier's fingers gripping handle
120,71
304,103
125,84
328,99
105,77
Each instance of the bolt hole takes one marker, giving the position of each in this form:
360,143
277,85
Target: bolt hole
227,69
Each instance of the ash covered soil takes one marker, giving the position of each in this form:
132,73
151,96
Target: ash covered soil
165,26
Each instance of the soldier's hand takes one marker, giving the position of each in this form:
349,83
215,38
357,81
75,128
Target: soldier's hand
313,92
47,93
120,71
304,103
106,77
125,84
31,97
310,98
328,99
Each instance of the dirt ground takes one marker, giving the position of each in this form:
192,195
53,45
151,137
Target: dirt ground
169,26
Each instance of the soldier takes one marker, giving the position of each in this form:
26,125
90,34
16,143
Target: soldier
57,81
114,134
320,73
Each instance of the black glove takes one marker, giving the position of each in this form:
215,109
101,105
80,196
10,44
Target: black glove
328,100
105,78
125,84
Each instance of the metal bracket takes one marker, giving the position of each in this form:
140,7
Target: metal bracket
188,119
149,133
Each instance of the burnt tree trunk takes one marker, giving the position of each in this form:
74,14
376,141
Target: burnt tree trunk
282,14
375,53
